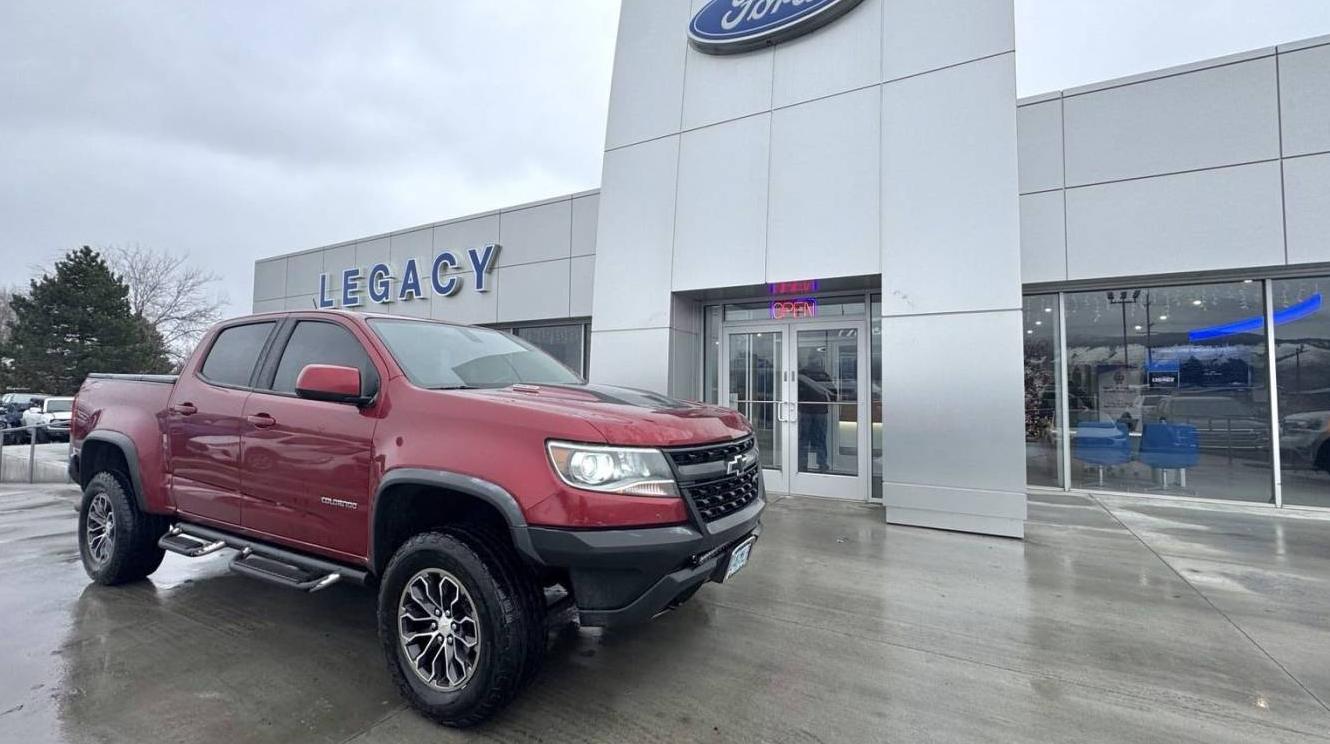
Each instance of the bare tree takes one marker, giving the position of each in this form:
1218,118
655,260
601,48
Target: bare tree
173,295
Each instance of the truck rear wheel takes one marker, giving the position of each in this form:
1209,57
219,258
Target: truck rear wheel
458,625
118,543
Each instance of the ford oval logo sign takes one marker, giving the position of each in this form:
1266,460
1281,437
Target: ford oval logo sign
733,26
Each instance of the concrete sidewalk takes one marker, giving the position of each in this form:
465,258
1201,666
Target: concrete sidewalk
1120,620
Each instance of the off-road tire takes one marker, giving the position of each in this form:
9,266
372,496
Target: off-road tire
499,552
502,595
134,553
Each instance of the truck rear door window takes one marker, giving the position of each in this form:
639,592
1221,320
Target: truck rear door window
233,355
314,342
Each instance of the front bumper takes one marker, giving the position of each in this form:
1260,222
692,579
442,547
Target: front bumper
626,576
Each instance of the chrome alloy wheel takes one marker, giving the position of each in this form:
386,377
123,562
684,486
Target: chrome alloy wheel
100,529
438,629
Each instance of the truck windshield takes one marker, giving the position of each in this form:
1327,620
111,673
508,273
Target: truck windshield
61,405
440,356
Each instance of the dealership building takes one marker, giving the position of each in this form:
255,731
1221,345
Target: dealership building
837,217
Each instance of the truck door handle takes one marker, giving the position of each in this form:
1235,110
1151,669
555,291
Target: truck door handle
261,420
184,409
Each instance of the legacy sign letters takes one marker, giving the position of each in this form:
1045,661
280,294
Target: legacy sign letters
734,26
380,285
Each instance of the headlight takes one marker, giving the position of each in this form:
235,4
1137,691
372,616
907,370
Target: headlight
636,472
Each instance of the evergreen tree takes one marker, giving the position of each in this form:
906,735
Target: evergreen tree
79,321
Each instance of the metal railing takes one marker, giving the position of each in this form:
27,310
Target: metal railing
32,449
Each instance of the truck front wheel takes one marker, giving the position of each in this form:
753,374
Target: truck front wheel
118,543
458,625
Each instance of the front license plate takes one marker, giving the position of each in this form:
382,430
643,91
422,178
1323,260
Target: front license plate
739,557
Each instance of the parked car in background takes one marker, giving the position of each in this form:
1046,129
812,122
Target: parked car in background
1304,439
1223,423
49,418
12,407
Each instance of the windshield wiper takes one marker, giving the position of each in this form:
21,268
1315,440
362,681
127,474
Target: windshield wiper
454,387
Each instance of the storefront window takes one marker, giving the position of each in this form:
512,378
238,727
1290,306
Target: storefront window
1167,391
1302,365
567,343
1043,450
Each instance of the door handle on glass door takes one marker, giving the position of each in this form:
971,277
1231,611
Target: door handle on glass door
261,420
184,409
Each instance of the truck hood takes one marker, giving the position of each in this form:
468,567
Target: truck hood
628,416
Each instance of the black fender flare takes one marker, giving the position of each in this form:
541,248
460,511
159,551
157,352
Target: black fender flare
479,488
127,449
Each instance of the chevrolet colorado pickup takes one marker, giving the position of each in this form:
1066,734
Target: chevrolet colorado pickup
461,471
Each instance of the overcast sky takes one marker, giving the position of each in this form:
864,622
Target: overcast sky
238,129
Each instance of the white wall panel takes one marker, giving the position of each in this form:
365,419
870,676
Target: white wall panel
639,358
923,35
950,215
537,291
417,244
1039,142
301,302
954,444
370,252
1215,117
1307,191
1217,219
825,172
636,238
269,306
460,236
646,98
540,233
1304,81
302,273
844,55
270,280
1043,237
719,88
335,261
721,222
411,309
468,305
586,213
581,285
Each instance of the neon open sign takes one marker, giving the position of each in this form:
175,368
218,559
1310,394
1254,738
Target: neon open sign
805,307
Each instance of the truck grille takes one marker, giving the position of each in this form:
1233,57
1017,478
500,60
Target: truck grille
726,496
704,479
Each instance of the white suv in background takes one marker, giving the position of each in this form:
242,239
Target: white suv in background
51,417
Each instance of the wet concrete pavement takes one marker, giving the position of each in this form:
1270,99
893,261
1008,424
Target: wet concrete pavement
1117,620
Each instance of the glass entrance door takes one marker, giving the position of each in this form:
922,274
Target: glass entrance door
754,384
801,385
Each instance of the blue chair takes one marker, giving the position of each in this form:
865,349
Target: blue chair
1101,444
1166,447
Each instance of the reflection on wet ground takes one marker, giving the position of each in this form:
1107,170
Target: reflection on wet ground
1116,620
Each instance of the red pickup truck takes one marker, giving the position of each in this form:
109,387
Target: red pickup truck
474,480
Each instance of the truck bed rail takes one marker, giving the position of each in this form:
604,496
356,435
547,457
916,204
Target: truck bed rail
163,379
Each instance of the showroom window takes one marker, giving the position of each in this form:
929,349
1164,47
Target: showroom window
1302,364
1167,390
1043,443
567,342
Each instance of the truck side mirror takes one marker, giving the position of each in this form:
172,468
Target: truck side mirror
331,383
